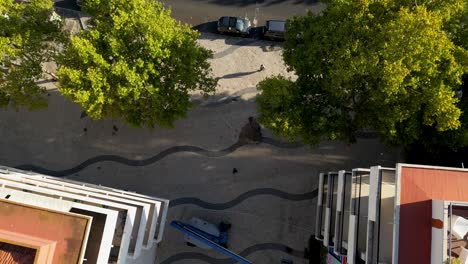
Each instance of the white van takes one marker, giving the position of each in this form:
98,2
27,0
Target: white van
274,29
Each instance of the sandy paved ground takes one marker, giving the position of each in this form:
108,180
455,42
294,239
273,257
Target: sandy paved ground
237,62
54,139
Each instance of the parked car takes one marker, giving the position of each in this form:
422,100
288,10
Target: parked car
235,25
274,29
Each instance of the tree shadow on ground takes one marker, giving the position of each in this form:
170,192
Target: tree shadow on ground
264,3
67,4
210,127
235,42
222,98
208,27
45,81
274,46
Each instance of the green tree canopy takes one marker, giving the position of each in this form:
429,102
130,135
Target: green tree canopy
28,33
390,66
135,62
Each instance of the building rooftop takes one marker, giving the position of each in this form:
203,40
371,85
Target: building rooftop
13,254
68,231
407,214
78,222
418,186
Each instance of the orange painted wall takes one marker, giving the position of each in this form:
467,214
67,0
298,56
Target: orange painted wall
418,187
66,229
44,248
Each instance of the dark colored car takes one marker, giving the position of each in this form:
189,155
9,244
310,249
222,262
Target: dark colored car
274,29
235,25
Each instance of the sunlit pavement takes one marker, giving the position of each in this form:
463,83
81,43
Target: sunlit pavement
265,190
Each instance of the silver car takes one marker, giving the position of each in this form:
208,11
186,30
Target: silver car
274,30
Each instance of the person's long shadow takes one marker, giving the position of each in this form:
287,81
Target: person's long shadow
237,74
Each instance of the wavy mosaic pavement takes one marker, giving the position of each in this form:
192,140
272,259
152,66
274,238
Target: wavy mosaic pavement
245,253
223,206
239,199
161,155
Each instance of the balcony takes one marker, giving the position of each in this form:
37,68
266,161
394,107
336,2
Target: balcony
343,211
449,232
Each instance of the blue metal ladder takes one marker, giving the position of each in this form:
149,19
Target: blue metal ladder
207,239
